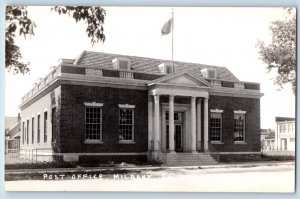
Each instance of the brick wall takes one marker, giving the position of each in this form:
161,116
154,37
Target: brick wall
72,123
252,129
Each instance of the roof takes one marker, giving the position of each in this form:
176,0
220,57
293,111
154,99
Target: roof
143,64
284,119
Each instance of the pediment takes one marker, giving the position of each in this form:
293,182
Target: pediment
182,79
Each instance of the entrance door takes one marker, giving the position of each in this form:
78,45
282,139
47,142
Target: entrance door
284,144
177,137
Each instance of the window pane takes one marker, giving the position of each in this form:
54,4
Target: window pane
126,124
239,127
93,123
215,126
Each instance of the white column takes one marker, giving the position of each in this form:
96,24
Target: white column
156,122
206,124
150,122
193,124
199,124
171,123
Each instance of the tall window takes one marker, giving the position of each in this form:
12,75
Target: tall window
23,132
126,117
38,129
45,126
239,127
27,132
216,126
93,123
282,128
32,130
53,121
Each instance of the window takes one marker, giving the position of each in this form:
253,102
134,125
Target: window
239,127
282,128
209,73
45,126
32,130
121,63
27,132
126,123
165,68
53,121
23,132
93,123
216,126
292,139
177,116
38,129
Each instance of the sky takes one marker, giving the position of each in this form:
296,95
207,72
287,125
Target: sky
213,36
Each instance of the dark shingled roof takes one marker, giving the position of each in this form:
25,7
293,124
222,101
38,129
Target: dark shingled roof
284,119
143,64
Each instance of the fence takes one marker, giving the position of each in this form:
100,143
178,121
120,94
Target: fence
15,156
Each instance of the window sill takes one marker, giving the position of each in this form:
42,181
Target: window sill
93,142
239,142
126,142
216,142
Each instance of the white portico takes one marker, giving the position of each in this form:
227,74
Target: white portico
176,126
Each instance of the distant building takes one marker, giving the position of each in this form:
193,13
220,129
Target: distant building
110,107
12,133
285,134
267,138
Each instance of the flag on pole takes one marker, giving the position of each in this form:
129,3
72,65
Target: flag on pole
166,29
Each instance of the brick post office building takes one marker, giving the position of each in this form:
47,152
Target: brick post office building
108,107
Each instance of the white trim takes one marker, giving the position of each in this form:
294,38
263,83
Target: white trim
93,104
93,142
240,112
216,111
32,115
240,142
46,109
126,106
216,142
126,142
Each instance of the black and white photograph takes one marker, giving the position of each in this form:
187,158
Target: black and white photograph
150,99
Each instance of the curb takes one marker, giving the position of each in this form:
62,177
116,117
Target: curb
97,169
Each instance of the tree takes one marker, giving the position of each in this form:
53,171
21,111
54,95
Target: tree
280,54
17,21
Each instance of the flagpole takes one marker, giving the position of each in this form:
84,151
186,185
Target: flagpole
172,39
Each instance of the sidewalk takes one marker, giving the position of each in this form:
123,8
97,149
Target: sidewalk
146,167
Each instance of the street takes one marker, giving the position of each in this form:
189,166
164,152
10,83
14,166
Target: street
264,178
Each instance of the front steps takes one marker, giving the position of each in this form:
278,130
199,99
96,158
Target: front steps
188,159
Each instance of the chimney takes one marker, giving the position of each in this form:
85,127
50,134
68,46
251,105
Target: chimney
19,117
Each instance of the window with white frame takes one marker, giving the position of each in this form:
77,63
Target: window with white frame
32,130
38,128
239,126
126,123
23,132
216,125
93,123
27,132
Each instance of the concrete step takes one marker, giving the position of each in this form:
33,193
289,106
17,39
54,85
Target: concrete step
189,159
